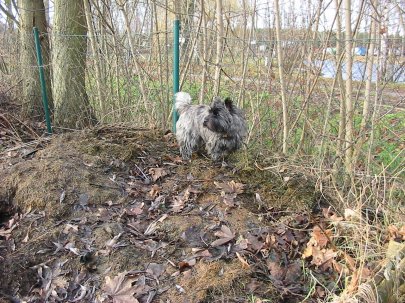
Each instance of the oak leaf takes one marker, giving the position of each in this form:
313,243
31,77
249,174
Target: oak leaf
157,173
120,289
225,235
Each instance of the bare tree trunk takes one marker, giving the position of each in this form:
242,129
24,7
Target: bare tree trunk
204,53
33,14
349,89
46,4
134,56
309,85
245,54
97,62
377,98
342,104
220,45
281,75
402,24
367,92
384,42
10,21
189,58
115,78
160,71
245,51
72,106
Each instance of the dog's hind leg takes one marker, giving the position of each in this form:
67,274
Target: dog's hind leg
189,144
185,151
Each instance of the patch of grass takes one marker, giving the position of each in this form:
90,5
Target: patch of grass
389,144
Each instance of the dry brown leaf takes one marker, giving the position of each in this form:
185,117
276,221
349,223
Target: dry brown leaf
154,192
177,160
402,232
25,240
351,214
354,283
276,270
362,274
71,247
255,243
320,236
293,272
153,226
351,263
241,244
225,235
120,289
393,249
245,264
157,173
253,285
52,279
396,233
231,187
200,253
307,252
321,256
155,269
180,289
6,233
180,200
111,243
168,136
135,210
331,215
70,228
162,218
183,265
228,199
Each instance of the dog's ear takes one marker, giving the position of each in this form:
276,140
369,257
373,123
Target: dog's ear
229,104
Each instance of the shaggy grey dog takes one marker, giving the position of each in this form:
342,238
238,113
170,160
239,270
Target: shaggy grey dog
221,127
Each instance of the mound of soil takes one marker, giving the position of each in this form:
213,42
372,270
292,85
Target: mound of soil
113,213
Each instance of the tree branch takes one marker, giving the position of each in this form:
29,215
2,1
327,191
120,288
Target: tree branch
9,15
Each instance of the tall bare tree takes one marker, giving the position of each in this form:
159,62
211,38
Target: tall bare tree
246,48
95,51
10,21
342,103
281,74
367,91
123,6
382,65
33,15
204,44
349,89
69,50
46,4
220,45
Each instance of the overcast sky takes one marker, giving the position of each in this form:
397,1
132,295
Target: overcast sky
300,11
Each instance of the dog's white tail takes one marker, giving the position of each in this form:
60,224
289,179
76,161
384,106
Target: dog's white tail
182,101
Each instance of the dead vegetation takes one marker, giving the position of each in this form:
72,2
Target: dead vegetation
113,214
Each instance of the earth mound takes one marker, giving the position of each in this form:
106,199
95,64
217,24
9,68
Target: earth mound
113,213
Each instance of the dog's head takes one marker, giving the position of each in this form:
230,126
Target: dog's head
224,117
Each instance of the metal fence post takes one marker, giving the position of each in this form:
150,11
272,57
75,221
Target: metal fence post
42,80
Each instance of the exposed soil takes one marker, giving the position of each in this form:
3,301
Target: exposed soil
113,214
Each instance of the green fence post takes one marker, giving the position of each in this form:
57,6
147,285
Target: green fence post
176,69
42,80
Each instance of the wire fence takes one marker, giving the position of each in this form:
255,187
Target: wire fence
128,78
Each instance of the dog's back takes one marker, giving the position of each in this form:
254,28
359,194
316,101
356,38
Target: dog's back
182,102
